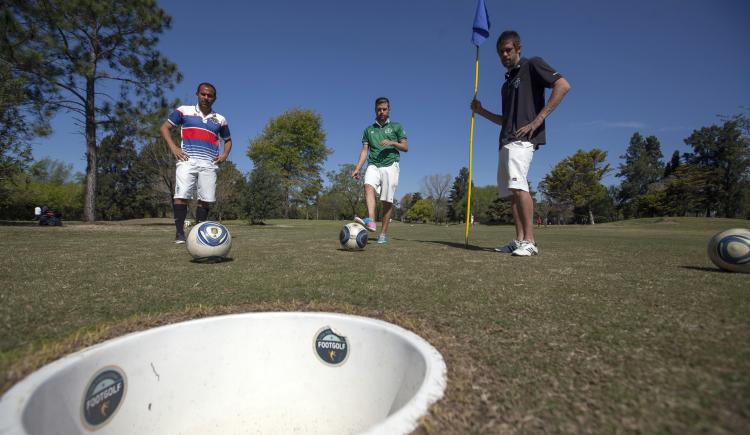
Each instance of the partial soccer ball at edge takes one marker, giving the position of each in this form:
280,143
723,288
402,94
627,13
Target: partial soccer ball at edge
353,237
730,250
209,240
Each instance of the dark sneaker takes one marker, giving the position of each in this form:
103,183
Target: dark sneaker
179,238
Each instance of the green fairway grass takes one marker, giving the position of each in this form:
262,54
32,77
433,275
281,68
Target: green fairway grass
623,327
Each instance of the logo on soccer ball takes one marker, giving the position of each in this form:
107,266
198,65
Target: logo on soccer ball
212,234
103,396
734,249
331,348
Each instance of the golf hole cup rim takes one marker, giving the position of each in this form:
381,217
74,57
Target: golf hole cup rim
392,375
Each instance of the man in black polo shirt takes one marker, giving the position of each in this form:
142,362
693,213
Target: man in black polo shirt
522,122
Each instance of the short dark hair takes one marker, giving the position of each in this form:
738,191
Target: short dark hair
509,35
380,100
206,84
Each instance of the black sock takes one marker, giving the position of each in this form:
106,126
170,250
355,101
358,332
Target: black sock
201,214
180,211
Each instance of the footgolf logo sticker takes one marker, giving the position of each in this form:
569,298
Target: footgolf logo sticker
102,397
331,347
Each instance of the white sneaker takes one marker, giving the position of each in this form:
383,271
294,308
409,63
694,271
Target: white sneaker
510,247
527,249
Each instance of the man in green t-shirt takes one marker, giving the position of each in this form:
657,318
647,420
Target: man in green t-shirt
382,142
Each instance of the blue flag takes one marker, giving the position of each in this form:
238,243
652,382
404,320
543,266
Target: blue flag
481,29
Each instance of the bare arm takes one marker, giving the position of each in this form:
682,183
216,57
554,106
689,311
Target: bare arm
559,89
476,107
221,158
362,157
402,145
167,136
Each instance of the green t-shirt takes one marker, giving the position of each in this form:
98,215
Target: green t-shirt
382,156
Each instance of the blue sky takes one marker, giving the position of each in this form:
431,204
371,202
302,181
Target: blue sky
658,67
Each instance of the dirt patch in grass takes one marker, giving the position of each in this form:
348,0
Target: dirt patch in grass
466,399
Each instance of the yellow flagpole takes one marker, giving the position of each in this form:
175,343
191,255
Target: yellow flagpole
471,145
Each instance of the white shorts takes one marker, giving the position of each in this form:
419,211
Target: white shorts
384,180
513,167
196,175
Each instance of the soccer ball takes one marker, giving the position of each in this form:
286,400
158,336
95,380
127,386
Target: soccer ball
209,240
730,250
353,237
187,224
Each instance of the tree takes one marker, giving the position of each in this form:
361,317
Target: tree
74,52
51,171
673,164
483,199
642,167
347,188
15,129
415,197
576,180
459,189
685,190
404,204
122,187
309,194
724,152
294,144
421,211
499,211
230,192
265,193
331,206
436,187
51,184
156,159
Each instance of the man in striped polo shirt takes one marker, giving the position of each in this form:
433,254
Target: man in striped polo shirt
382,143
198,156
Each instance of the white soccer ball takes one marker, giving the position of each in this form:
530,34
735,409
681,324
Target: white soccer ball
730,250
353,237
209,240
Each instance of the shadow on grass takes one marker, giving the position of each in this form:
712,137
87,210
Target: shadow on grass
212,260
451,244
19,223
705,269
155,224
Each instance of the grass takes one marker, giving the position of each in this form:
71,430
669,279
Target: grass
623,327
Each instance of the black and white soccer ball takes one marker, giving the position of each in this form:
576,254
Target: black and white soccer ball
209,240
730,250
353,237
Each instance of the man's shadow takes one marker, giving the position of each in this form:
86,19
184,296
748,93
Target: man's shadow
705,269
469,247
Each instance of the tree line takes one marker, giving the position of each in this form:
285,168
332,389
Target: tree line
135,179
712,180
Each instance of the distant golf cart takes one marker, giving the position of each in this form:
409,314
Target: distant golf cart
50,217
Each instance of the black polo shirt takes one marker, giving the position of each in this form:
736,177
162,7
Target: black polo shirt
523,98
